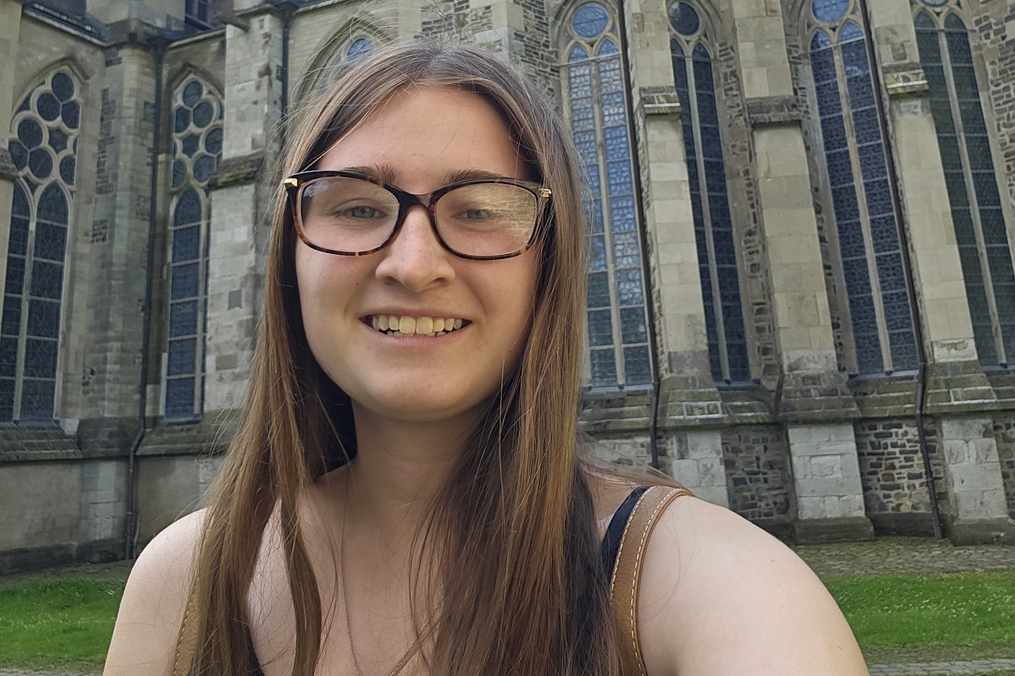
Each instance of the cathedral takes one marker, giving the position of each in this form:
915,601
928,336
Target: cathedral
801,296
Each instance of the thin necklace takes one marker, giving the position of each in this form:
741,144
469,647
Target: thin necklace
345,598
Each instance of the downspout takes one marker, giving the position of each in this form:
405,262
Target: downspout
907,266
158,44
286,9
646,269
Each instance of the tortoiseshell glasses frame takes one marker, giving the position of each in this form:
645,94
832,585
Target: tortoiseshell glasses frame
296,185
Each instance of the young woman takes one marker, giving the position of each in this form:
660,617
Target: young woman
405,493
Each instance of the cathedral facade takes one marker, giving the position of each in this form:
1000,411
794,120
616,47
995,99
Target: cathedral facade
801,293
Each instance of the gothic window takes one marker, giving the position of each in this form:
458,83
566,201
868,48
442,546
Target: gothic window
197,10
863,198
706,170
969,176
197,145
350,52
617,325
44,148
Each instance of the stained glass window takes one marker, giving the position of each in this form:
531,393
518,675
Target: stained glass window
861,192
713,222
43,146
616,321
351,51
971,183
197,134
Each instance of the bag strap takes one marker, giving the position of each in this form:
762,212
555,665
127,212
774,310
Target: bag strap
183,659
626,579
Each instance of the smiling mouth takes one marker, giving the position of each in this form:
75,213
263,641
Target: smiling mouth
405,326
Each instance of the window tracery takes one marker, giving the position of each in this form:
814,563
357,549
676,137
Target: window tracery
197,150
862,195
976,207
617,322
713,222
44,149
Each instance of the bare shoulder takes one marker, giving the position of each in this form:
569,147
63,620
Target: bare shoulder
144,638
721,596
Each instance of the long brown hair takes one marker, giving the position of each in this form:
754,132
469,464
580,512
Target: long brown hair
513,524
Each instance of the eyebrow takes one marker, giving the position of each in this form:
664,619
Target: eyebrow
387,174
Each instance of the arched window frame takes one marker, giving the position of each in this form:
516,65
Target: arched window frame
856,168
197,150
692,53
30,359
979,213
355,46
617,321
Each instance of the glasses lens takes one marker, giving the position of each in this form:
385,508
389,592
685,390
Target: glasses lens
347,214
486,219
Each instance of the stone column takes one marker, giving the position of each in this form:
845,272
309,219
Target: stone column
240,202
688,399
122,209
811,391
10,28
958,392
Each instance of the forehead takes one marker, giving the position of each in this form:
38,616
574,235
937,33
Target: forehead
424,133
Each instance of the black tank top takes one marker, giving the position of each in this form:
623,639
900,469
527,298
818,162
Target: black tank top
608,549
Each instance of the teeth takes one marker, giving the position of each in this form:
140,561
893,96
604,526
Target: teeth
420,326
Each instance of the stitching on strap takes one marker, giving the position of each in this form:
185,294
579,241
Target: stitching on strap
636,578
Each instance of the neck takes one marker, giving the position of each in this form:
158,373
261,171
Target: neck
399,465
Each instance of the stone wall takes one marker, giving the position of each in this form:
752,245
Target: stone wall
758,474
996,28
1004,433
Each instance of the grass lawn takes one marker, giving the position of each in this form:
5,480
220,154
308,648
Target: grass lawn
64,623
59,624
926,618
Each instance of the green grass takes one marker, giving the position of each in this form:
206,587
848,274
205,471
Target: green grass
66,623
928,618
61,624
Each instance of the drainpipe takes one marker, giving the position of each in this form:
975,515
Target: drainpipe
646,269
286,9
157,43
907,266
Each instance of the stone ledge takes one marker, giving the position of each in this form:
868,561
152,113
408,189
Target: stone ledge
905,79
899,523
8,170
885,396
37,444
958,388
611,411
995,531
237,171
661,101
774,111
814,398
29,559
747,405
689,401
210,435
824,531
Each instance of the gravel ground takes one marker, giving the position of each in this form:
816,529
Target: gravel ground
902,555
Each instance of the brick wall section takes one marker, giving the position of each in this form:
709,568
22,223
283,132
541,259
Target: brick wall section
1004,433
758,317
758,471
891,467
996,26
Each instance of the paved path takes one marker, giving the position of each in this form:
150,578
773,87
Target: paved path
902,555
969,668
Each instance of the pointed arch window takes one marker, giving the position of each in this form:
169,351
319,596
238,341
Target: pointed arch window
616,321
706,170
44,149
976,207
197,149
863,198
350,52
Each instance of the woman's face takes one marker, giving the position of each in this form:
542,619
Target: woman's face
421,140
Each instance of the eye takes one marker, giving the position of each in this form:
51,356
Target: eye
478,214
362,212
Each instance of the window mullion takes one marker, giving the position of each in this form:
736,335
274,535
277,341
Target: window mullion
605,204
861,194
974,202
19,373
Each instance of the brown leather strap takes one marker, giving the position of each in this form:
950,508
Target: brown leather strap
627,573
183,660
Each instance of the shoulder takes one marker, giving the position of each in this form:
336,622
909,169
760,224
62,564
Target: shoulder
151,612
720,596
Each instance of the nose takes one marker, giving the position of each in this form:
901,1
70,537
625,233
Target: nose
415,258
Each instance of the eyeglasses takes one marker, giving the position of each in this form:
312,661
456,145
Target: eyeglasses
351,214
